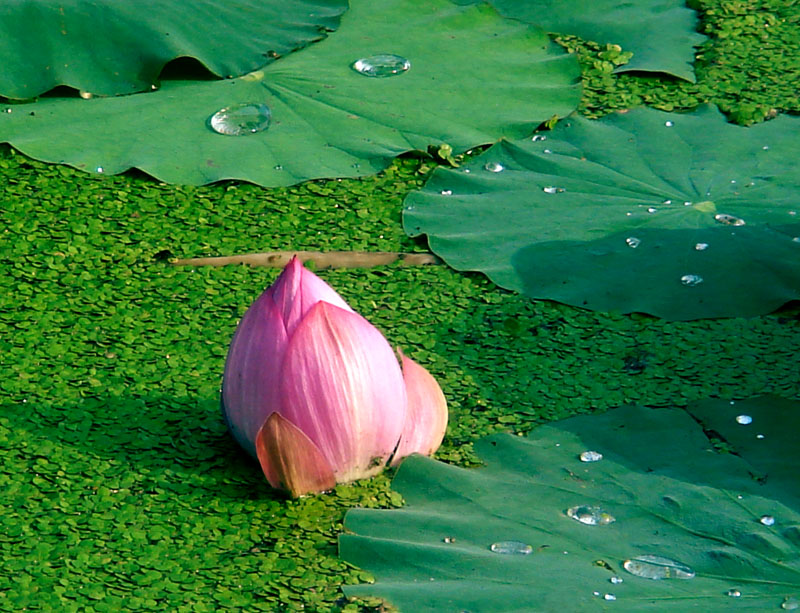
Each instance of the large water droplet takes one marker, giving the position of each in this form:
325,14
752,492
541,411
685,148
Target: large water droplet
790,603
511,547
633,242
652,209
241,119
767,520
669,124
667,202
590,515
729,220
381,65
657,567
744,419
447,192
609,597
701,246
691,280
537,138
550,189
591,456
733,593
494,167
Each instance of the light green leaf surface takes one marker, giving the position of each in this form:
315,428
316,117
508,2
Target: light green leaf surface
670,493
662,34
474,77
622,213
108,47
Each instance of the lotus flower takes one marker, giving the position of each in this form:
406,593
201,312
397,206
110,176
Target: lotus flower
316,393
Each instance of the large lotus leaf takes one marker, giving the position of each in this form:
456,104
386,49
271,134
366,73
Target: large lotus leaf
474,77
670,494
754,428
110,47
662,34
682,216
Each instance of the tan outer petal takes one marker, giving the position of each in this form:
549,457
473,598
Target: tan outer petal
426,420
290,460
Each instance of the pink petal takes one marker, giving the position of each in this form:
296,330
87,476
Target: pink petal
343,387
426,421
290,460
252,371
297,289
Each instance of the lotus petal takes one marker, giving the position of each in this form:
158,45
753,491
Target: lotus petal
426,420
290,460
341,385
297,289
252,370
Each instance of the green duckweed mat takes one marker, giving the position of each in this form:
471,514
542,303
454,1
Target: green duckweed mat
121,487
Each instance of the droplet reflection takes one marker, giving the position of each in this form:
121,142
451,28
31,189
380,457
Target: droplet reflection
511,547
744,419
381,65
657,567
729,220
767,520
591,456
241,119
691,280
494,167
590,515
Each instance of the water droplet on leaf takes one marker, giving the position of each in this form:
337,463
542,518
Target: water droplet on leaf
669,124
100,169
550,189
537,138
652,209
701,246
657,567
547,151
734,593
591,456
381,65
744,419
667,202
691,280
767,520
609,597
590,515
494,167
241,119
633,242
790,603
511,547
447,192
616,580
449,539
729,220
759,436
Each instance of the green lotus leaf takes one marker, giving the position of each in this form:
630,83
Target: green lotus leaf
683,216
662,34
109,47
473,77
662,522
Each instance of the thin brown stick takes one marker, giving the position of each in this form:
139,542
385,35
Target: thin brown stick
321,260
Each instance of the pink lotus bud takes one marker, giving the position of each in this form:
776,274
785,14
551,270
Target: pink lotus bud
315,392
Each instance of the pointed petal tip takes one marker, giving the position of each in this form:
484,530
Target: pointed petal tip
290,460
